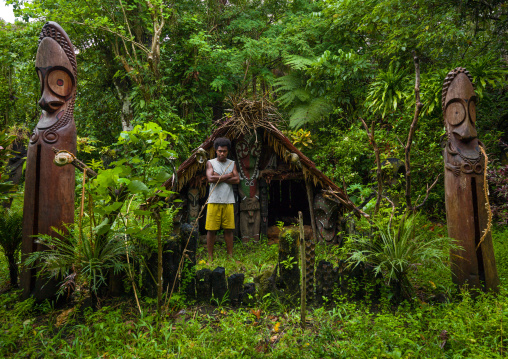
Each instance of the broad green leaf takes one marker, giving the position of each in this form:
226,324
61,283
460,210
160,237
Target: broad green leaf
137,186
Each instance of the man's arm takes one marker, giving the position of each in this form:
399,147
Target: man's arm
233,177
211,176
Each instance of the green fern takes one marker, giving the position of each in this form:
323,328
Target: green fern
292,88
487,70
309,112
396,252
297,62
387,90
84,258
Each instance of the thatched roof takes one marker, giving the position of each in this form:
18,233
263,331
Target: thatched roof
247,116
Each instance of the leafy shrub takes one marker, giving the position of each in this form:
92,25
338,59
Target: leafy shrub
341,154
76,257
500,241
396,252
498,180
11,225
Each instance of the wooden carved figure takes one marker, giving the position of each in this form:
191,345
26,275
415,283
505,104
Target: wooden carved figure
326,214
193,206
466,213
248,152
49,189
193,203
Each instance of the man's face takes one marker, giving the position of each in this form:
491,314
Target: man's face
222,153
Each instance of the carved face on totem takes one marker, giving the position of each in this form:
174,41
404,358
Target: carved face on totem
325,212
193,203
459,110
248,152
55,64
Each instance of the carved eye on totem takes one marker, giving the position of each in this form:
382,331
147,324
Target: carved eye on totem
455,113
472,110
60,82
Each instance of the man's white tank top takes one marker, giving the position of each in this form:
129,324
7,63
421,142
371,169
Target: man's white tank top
223,192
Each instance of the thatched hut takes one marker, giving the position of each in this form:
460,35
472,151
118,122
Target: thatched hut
277,180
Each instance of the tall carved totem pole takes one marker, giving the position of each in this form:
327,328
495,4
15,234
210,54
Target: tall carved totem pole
466,213
248,152
49,189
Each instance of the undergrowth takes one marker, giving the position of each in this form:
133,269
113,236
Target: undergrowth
457,327
251,259
465,328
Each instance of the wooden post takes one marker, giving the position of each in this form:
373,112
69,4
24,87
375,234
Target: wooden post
310,198
303,279
49,190
465,187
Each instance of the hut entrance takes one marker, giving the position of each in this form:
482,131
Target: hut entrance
285,199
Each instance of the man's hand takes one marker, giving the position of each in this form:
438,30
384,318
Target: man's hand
213,177
233,177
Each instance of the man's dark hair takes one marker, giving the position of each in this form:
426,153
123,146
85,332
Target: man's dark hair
221,142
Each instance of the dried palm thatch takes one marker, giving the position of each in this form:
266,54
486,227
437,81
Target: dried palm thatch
248,115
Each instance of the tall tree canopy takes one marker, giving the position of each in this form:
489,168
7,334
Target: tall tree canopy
327,63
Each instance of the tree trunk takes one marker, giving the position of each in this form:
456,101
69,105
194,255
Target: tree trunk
159,264
126,115
13,270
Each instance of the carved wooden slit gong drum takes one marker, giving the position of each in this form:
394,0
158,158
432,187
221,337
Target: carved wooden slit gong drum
466,214
49,189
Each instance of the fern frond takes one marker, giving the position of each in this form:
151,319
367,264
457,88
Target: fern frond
309,112
297,62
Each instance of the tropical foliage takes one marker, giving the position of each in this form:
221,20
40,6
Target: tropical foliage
396,252
10,240
75,258
154,77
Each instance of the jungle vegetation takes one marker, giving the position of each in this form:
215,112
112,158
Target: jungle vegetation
155,76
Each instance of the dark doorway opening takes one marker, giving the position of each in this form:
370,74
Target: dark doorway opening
285,199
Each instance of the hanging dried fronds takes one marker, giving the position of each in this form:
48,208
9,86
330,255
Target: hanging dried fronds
338,197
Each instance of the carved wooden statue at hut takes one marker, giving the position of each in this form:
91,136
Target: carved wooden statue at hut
49,189
326,214
465,186
193,204
248,153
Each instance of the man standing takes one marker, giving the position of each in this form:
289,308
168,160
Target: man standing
221,173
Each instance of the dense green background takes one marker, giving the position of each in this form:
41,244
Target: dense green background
325,63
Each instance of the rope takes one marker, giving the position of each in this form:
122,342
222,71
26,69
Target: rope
82,208
487,204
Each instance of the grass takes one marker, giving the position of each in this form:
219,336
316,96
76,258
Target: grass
500,241
460,328
463,329
4,272
250,258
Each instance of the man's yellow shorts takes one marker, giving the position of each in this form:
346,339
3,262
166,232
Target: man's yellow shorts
220,215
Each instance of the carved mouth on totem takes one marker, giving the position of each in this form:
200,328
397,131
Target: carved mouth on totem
327,234
469,150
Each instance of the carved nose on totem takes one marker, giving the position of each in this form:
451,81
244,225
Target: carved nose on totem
326,224
50,103
466,133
